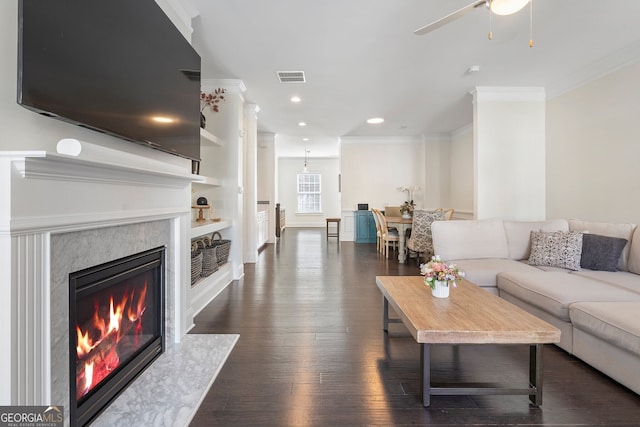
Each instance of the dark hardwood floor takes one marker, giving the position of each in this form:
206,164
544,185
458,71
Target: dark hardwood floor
312,353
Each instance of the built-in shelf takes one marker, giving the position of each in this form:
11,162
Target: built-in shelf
206,180
207,288
209,138
202,228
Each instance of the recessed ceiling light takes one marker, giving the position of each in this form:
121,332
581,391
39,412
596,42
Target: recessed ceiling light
375,120
302,124
296,99
305,139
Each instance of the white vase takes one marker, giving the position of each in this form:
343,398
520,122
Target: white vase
406,216
441,289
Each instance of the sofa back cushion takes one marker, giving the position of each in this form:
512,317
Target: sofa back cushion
634,252
624,230
464,239
519,234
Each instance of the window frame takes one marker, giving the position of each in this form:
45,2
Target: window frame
303,207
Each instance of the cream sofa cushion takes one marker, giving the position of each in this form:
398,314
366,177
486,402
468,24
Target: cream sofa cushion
623,279
617,323
469,239
554,292
623,230
519,234
483,272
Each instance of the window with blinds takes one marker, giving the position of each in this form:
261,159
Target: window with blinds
309,193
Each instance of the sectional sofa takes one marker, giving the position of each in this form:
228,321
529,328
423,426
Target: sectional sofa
582,277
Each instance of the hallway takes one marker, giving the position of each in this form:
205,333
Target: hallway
312,353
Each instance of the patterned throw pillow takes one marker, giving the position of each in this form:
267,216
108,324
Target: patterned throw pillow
556,249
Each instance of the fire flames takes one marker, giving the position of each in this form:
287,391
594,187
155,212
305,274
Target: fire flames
102,338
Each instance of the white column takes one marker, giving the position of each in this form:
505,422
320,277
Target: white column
509,153
266,177
250,183
228,124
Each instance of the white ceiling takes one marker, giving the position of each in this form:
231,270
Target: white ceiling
361,58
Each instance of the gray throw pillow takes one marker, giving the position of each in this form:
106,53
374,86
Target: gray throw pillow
601,252
556,249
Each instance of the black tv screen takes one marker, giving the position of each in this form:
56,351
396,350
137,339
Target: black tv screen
115,66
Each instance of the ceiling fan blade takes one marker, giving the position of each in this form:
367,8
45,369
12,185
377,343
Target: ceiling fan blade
449,18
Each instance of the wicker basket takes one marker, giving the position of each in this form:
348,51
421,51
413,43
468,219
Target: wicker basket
222,248
209,257
196,263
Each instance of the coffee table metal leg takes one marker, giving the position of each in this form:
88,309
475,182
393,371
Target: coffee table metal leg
535,373
425,367
385,314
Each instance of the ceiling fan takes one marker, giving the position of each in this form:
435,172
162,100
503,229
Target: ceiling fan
499,7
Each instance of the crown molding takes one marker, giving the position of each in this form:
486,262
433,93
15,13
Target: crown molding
508,94
232,85
380,139
464,130
606,65
181,12
436,137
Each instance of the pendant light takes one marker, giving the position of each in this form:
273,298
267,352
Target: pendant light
306,160
507,7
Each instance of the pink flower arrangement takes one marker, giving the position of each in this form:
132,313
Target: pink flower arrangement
437,270
212,100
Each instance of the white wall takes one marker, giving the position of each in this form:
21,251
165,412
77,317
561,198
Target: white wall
593,150
288,168
437,173
509,149
461,169
374,168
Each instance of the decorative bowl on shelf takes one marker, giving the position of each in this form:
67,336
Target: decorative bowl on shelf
202,201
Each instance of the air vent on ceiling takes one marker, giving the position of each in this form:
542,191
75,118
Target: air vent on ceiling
291,76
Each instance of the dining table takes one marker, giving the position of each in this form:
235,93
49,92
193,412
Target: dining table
402,224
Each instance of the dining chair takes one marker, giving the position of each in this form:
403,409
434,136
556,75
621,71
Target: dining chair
448,214
421,240
388,236
376,219
379,217
392,211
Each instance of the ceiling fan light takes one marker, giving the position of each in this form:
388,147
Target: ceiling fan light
507,7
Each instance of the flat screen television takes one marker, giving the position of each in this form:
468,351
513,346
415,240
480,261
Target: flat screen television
115,66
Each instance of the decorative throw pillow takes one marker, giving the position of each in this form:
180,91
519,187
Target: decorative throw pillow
556,249
601,252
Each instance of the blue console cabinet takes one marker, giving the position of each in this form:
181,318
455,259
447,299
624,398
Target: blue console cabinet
365,227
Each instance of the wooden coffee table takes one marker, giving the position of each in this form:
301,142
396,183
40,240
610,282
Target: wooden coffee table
470,315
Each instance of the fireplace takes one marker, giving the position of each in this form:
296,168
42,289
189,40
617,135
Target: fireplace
116,328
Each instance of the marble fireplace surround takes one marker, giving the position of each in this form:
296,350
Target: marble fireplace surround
75,251
60,214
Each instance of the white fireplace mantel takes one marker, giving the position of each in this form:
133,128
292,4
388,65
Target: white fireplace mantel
43,194
55,166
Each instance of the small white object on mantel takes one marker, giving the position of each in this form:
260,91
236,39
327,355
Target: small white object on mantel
101,154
